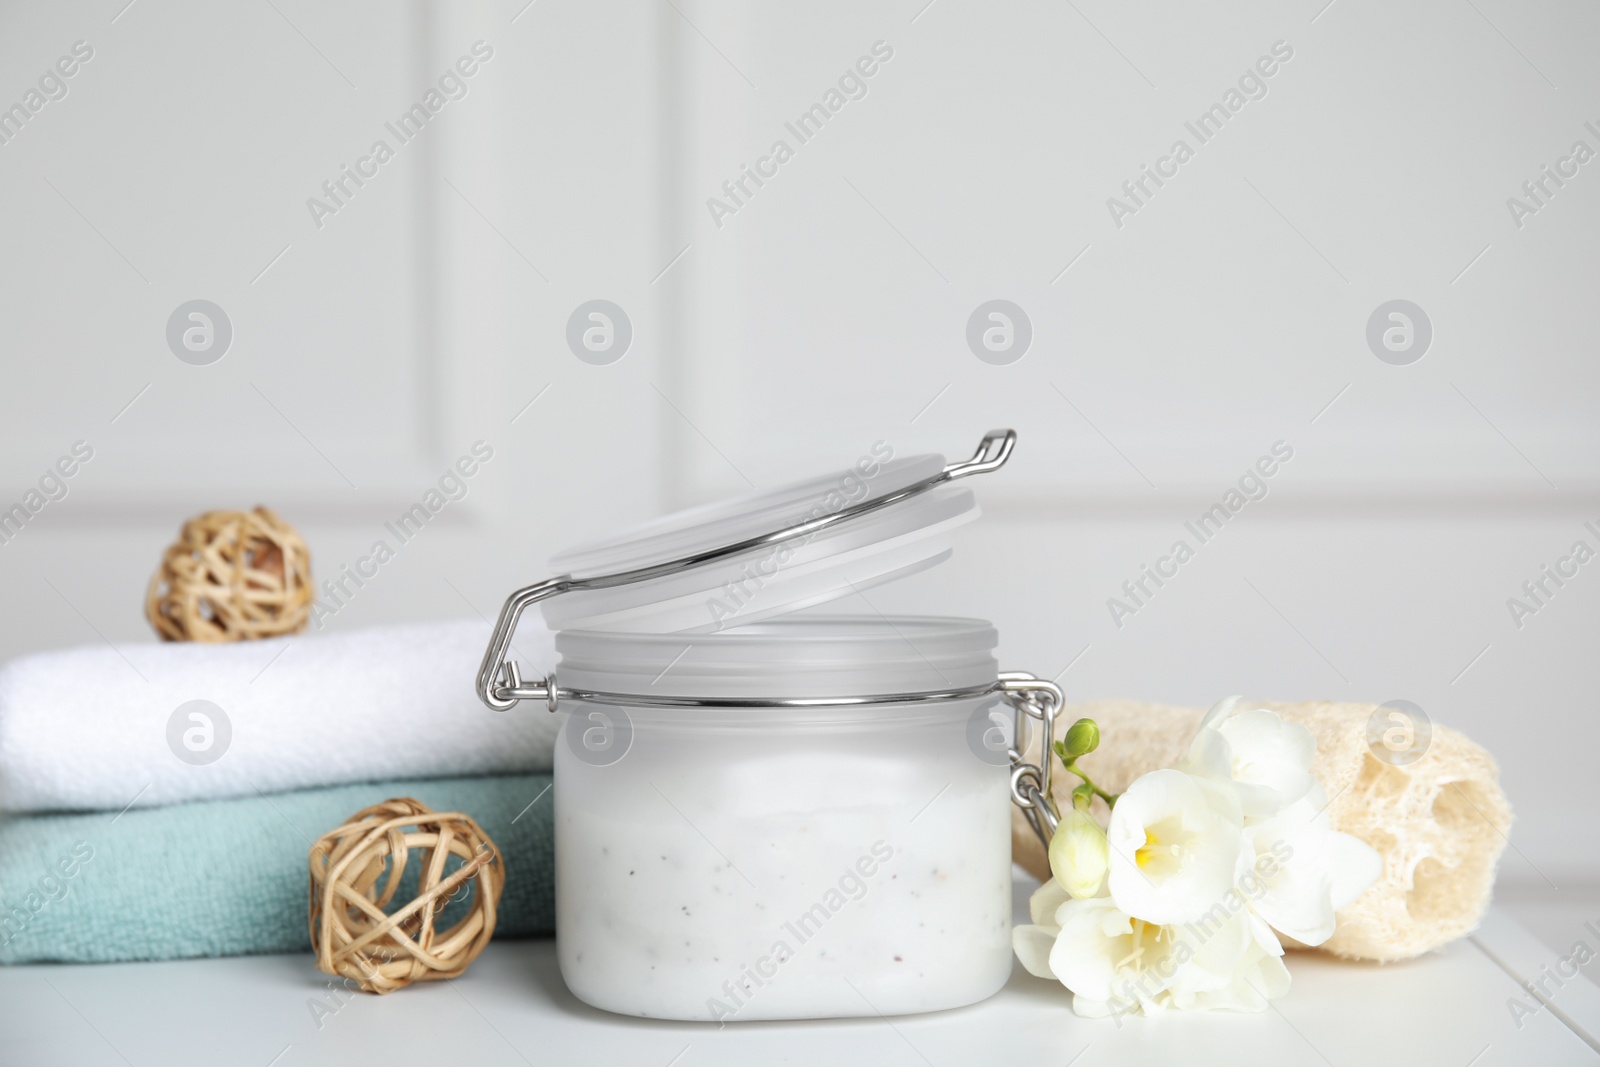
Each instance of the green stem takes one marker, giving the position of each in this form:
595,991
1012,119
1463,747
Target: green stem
1071,765
1109,798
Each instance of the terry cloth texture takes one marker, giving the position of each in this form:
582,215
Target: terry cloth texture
1439,823
94,728
230,877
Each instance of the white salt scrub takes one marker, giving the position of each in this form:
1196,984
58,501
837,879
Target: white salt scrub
775,863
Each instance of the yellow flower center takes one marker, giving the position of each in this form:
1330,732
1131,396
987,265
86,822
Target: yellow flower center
1163,849
1147,853
1142,931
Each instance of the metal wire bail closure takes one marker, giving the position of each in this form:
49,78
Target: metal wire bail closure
1032,698
500,683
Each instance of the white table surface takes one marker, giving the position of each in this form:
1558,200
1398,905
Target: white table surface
1446,1010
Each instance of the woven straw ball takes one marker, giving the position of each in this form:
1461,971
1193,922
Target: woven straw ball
356,872
232,576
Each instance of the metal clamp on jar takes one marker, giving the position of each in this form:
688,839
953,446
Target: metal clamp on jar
767,815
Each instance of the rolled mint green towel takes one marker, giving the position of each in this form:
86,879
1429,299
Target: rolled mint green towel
229,877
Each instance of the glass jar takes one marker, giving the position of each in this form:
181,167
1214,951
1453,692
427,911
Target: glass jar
769,815
783,862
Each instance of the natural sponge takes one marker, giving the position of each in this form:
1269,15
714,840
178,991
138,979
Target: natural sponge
1439,822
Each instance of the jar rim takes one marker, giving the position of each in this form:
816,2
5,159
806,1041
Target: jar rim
803,656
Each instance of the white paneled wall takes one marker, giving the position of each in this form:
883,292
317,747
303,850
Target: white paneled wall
830,310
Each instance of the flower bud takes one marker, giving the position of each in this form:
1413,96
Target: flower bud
1082,738
1079,854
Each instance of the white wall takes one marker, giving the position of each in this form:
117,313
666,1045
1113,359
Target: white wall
830,311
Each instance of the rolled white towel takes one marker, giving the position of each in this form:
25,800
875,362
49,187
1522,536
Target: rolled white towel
102,728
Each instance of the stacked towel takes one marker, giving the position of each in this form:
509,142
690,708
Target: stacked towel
193,835
87,728
228,877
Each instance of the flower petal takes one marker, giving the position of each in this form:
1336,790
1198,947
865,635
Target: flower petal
1271,760
1258,979
1219,712
1084,958
1290,885
1042,906
1273,976
1032,945
1356,865
1217,942
1209,757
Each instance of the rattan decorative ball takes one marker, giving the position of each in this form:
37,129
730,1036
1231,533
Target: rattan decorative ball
232,576
356,872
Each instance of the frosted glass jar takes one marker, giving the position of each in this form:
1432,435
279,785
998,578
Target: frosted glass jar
737,863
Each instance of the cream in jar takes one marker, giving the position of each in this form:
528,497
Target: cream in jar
769,863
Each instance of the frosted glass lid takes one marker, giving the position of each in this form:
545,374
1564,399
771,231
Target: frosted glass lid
771,579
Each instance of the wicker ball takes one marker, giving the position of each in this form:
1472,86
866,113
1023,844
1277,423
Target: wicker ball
356,871
232,576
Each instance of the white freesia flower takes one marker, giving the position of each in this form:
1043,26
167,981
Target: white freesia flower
1105,957
1117,965
1178,906
1079,855
1266,761
1175,845
1303,871
1241,980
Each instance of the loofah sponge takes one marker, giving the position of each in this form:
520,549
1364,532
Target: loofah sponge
1440,822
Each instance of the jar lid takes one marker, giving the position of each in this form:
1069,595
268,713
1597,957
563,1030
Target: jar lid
756,556
774,578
